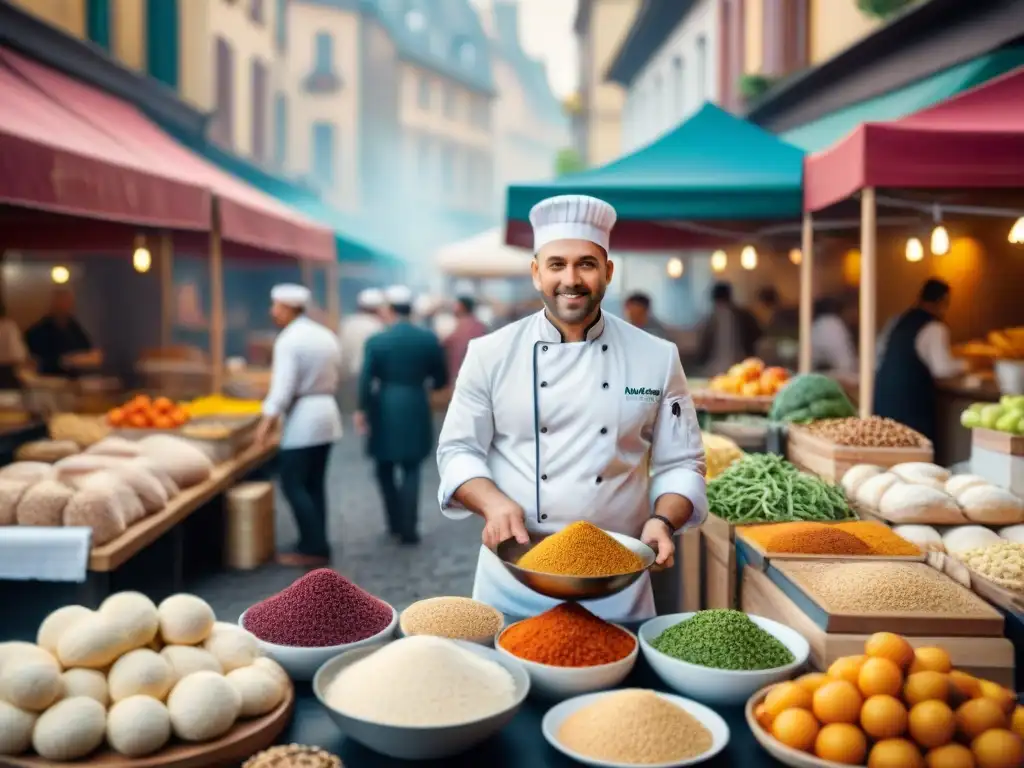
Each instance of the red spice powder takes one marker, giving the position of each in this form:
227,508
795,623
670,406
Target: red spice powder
568,635
320,609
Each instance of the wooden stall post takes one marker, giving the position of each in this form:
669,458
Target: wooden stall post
165,254
868,298
333,295
806,291
216,303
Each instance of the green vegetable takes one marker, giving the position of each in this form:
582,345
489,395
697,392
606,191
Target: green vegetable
763,487
723,640
808,397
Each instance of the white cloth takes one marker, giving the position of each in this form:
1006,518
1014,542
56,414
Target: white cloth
832,346
355,331
12,343
932,346
304,383
572,217
370,298
292,295
44,554
610,421
398,294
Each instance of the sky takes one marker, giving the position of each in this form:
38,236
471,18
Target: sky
546,32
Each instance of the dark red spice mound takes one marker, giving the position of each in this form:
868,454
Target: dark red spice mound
322,608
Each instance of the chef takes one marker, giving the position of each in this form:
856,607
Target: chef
571,414
303,386
358,328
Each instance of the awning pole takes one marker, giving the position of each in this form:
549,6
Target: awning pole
868,299
806,291
216,303
333,294
165,254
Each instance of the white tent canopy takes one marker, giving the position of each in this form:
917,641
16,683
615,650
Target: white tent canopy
483,255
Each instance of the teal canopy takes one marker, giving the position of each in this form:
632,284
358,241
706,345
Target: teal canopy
714,166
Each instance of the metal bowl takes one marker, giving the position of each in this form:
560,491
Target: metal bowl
562,587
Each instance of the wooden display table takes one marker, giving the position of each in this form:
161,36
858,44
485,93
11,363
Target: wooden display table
830,461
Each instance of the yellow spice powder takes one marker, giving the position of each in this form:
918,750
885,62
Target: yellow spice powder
581,549
879,538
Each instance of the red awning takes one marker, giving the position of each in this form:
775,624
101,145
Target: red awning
248,217
51,160
972,141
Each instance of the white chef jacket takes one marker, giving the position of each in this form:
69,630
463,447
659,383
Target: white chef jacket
594,430
304,383
353,334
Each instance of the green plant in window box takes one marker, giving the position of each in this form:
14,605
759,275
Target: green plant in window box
752,87
882,9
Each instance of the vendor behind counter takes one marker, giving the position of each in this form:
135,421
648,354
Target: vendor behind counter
59,343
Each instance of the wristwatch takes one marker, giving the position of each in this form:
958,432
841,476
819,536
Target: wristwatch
668,524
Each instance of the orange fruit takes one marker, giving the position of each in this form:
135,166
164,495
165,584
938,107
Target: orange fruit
762,717
837,702
926,686
886,645
932,724
950,756
1017,721
116,417
163,405
812,681
964,686
179,416
841,743
796,728
998,748
847,668
138,420
976,716
883,717
895,753
787,696
931,660
1004,698
880,676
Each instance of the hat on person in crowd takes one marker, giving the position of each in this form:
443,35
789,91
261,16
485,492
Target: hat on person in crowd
425,305
291,295
398,296
572,217
370,298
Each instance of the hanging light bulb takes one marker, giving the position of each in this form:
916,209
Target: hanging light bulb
675,268
748,257
142,260
719,261
940,241
915,249
1017,232
60,275
796,255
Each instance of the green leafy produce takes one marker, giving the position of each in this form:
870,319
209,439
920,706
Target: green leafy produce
765,488
808,397
723,639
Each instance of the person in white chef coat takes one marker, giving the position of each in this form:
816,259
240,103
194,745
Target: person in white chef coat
303,391
353,333
571,414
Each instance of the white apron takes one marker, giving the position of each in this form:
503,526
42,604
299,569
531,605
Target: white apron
593,430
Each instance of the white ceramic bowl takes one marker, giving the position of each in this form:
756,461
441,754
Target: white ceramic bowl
710,719
423,742
720,686
556,683
302,663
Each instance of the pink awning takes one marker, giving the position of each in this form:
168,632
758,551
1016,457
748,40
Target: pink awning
53,161
972,141
247,216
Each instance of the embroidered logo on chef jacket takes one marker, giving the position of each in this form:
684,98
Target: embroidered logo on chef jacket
644,394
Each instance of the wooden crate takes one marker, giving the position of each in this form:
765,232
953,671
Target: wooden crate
831,461
998,442
720,573
991,658
999,458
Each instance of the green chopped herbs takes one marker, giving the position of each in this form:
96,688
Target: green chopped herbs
723,639
765,488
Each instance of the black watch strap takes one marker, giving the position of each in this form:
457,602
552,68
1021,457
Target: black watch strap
668,523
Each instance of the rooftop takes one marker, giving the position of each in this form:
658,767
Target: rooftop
654,22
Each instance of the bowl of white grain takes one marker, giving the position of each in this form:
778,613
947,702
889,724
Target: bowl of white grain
456,618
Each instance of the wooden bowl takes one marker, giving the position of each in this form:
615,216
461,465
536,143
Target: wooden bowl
245,739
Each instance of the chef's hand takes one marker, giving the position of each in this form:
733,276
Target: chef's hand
263,431
360,423
655,535
505,522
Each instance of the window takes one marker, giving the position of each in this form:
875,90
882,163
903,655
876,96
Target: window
467,55
702,69
256,11
450,101
97,22
657,104
280,130
679,87
448,168
222,128
260,84
322,169
323,52
281,30
162,42
785,36
423,92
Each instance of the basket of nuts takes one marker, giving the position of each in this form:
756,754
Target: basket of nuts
829,447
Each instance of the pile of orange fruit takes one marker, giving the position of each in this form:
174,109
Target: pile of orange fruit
143,412
897,707
751,378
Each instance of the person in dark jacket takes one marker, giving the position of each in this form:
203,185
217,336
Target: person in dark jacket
914,351
728,335
394,409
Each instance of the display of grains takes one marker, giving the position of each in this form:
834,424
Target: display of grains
763,487
1001,563
293,756
458,618
322,608
567,635
872,432
581,549
635,727
422,681
866,587
723,639
859,537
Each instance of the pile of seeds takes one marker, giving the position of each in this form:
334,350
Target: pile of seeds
872,432
293,756
723,639
866,587
581,549
459,618
635,727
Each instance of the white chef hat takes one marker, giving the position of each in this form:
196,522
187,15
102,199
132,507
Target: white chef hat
371,298
572,217
398,295
291,295
425,305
